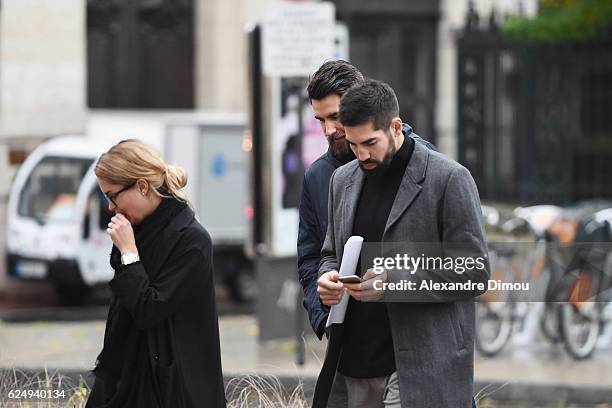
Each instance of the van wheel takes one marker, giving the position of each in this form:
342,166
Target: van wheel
71,295
242,285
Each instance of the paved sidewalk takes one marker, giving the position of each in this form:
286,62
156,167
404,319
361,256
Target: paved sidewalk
73,347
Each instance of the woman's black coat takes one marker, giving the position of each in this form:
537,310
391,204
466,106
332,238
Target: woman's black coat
161,344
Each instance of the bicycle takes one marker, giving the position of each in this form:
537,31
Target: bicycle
499,317
583,316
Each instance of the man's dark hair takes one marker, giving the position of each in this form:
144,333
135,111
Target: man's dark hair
370,100
333,77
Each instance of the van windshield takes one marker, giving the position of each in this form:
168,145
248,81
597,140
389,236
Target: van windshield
50,191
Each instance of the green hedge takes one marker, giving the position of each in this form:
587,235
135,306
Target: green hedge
562,20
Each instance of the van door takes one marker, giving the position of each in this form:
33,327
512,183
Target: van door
95,243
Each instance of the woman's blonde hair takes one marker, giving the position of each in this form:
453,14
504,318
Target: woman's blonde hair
132,159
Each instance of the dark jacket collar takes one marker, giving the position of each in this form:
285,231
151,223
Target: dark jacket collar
160,217
406,129
339,161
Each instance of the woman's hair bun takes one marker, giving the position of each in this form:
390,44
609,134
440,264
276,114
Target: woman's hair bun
176,177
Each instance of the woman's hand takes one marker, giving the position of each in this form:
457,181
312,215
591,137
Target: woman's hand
122,234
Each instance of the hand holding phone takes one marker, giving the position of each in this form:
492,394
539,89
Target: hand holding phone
350,279
367,290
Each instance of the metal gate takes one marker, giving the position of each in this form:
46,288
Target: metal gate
534,119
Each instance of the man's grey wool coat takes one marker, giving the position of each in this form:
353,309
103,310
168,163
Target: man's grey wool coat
433,339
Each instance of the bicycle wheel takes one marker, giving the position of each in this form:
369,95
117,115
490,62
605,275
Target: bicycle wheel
550,322
580,327
493,326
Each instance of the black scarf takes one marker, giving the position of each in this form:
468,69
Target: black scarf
125,348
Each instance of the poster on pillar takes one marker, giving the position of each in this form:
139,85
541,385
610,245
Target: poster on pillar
296,139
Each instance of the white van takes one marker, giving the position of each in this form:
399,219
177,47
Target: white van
53,218
57,218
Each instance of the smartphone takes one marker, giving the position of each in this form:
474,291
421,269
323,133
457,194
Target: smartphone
350,279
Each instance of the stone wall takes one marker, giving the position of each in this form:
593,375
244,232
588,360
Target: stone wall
42,67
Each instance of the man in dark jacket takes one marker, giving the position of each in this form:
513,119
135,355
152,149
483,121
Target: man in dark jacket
325,89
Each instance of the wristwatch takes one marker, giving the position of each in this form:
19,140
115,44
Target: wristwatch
129,258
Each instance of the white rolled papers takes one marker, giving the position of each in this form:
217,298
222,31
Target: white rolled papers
350,258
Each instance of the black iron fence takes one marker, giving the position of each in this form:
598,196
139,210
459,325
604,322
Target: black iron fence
535,120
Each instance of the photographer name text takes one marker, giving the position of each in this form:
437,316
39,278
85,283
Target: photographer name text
430,285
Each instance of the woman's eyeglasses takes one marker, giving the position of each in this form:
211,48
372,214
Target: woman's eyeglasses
112,197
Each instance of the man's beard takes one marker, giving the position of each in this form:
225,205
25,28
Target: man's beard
340,147
381,166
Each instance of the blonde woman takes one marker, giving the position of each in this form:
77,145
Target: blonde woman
161,345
